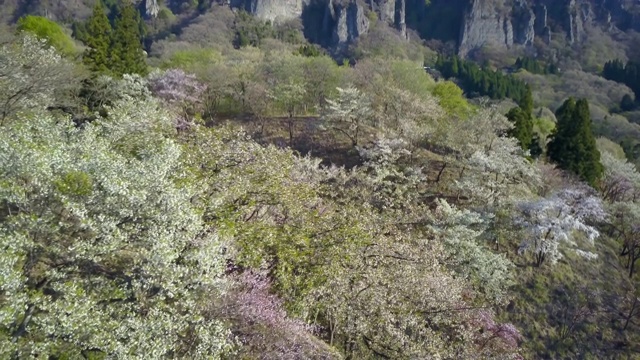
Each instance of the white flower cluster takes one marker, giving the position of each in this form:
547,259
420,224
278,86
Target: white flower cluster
102,249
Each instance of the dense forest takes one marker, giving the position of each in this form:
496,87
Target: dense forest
203,184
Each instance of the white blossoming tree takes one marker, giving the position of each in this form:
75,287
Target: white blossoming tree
348,112
103,252
551,221
32,75
621,181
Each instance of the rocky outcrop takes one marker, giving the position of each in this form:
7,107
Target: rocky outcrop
393,12
272,10
541,23
494,23
501,23
342,21
346,21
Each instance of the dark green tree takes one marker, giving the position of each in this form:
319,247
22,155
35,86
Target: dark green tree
523,126
526,101
627,103
535,150
573,146
127,55
97,37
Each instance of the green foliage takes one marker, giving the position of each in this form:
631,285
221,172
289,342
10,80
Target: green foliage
251,31
127,55
628,74
523,126
475,79
192,59
97,36
535,67
74,183
50,31
309,50
627,103
573,146
451,99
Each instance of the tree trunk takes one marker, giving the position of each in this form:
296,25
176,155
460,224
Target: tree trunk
290,123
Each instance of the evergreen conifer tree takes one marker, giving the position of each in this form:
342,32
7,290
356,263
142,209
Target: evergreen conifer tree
573,146
526,101
127,55
535,150
98,39
523,130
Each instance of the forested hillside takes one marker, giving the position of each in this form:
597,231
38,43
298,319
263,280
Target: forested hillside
189,180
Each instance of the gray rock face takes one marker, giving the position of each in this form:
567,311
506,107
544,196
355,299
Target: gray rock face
485,24
541,26
346,21
272,10
501,23
393,12
523,20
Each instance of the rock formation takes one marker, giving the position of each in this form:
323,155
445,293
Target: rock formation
501,23
272,10
346,21
343,21
493,23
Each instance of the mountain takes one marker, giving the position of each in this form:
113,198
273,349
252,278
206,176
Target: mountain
469,24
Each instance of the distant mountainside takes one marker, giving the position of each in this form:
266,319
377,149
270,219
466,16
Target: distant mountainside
470,24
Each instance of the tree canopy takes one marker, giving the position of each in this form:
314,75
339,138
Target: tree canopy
573,146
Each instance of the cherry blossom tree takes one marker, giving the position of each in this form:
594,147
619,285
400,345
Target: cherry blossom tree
261,323
181,91
103,250
549,222
348,112
621,180
32,76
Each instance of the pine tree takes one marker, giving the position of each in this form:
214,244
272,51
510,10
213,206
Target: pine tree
535,150
573,146
98,39
127,55
523,126
526,101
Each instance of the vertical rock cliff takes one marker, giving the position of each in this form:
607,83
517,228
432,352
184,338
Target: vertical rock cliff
346,21
476,23
496,23
272,10
335,23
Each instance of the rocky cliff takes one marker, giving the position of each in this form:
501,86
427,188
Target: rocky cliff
499,23
336,23
506,23
496,23
272,10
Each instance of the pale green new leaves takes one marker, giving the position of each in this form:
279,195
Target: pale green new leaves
103,250
289,97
